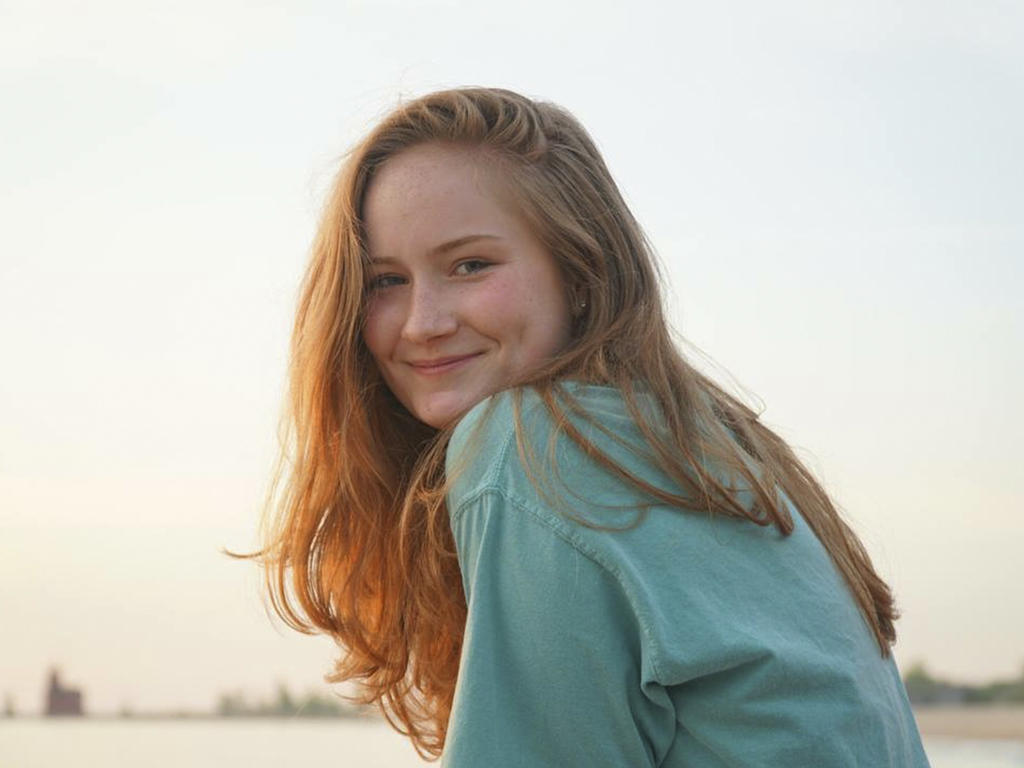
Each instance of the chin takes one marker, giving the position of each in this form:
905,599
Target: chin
445,410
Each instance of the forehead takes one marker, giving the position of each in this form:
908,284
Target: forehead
433,162
436,191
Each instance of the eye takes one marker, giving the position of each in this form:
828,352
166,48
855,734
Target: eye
471,266
381,282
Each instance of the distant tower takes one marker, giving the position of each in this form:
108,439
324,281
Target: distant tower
61,701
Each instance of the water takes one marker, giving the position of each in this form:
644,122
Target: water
245,743
969,753
41,743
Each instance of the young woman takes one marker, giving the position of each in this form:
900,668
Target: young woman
539,536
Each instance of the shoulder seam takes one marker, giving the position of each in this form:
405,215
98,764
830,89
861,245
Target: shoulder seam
583,549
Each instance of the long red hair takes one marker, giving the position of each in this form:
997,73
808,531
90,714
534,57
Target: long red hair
357,540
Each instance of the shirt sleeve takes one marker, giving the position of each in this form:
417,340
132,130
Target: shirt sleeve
550,673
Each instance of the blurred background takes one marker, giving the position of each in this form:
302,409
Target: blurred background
835,190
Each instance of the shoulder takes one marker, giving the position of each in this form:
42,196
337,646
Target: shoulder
520,487
483,438
514,444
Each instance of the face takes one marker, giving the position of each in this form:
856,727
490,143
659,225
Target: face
463,297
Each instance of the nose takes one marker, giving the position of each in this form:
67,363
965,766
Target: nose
430,314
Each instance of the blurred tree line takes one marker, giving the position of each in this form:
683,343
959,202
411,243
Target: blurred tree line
922,688
284,704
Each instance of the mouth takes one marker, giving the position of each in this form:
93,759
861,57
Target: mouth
439,365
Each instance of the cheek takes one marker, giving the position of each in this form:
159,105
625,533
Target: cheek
499,306
378,329
526,308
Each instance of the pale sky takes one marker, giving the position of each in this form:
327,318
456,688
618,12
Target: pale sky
836,191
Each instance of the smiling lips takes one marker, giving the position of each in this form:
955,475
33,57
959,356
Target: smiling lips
439,365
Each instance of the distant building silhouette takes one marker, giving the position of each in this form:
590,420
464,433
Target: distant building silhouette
62,701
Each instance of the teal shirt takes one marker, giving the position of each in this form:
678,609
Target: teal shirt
686,640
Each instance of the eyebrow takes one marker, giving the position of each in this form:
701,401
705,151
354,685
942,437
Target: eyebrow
445,247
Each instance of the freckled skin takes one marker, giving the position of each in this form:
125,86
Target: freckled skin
448,328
